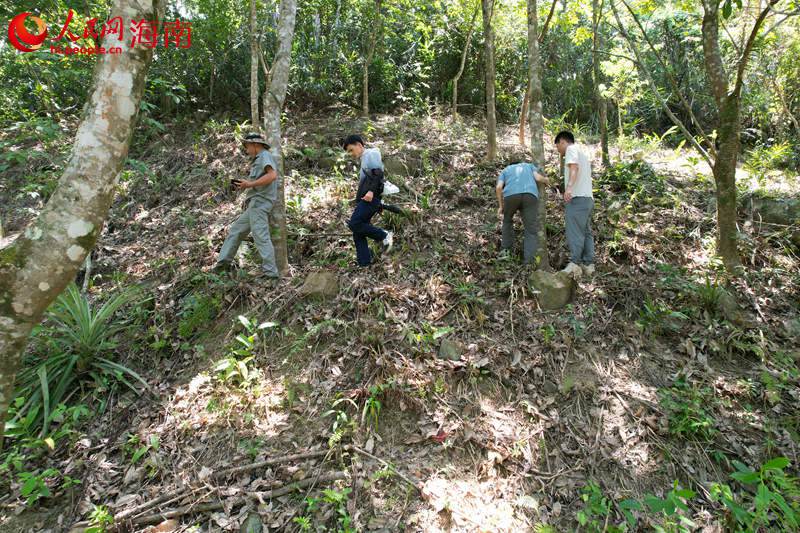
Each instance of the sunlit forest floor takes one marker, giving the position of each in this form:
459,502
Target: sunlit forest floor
437,361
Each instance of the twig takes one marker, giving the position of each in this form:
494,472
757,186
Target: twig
269,462
365,453
157,518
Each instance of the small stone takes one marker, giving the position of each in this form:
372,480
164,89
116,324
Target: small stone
252,524
450,350
555,290
167,526
320,285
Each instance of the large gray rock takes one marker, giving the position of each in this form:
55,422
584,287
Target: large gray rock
780,211
320,285
403,164
554,290
784,211
791,327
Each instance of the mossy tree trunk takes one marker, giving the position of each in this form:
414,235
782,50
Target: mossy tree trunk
274,98
536,121
489,73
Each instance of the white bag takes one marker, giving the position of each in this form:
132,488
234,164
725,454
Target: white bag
390,188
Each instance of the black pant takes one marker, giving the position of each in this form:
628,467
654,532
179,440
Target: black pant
359,224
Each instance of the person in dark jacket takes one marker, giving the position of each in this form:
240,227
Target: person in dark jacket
368,199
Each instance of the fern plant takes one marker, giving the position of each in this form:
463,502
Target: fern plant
80,344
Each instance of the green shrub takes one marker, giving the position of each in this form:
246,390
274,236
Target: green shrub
78,341
632,178
687,408
772,497
197,310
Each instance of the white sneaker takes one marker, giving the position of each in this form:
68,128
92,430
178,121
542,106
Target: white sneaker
388,242
573,270
588,270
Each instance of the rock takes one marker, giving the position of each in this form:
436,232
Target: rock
555,290
252,524
780,211
167,526
403,164
450,350
321,285
327,162
791,327
785,211
727,306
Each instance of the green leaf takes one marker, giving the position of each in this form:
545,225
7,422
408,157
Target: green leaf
763,497
778,463
727,9
748,478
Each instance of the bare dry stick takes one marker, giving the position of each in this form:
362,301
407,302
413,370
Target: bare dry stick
157,518
222,473
269,462
365,453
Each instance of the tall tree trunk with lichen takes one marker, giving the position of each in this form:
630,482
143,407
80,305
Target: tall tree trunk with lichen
274,98
253,66
488,53
47,256
372,43
536,121
523,116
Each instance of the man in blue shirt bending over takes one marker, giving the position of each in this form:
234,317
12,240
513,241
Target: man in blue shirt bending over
517,190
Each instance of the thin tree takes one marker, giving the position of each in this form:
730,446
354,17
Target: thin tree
374,32
537,122
463,62
723,157
274,97
597,79
523,116
253,65
47,255
488,58
729,102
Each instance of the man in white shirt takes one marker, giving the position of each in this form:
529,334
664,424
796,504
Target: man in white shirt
579,204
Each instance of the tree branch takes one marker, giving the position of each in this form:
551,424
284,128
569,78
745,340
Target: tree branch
749,47
677,90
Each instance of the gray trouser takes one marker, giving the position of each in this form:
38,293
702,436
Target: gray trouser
578,213
529,205
255,220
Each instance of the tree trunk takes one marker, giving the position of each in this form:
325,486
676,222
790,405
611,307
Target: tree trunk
463,62
523,115
725,179
488,45
373,41
47,256
253,66
274,97
537,123
600,101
